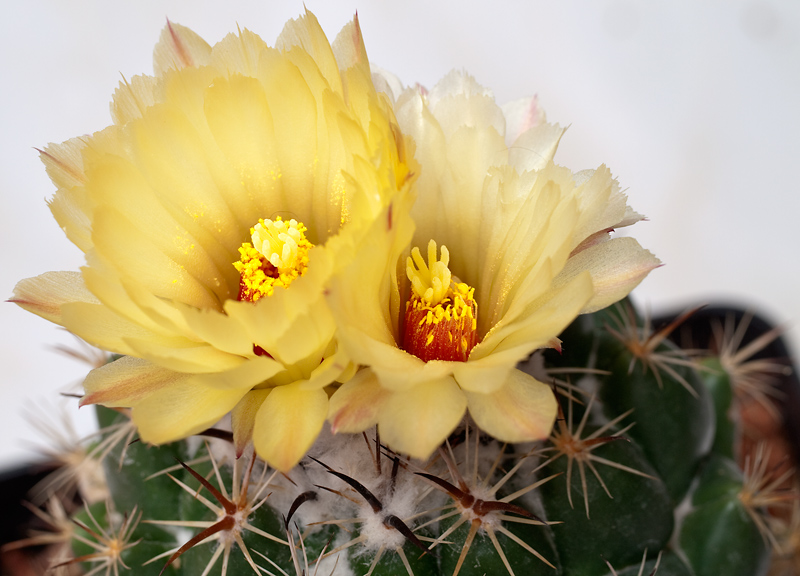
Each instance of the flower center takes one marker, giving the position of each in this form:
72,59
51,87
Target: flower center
441,313
277,256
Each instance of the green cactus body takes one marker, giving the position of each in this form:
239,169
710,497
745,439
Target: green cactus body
718,535
629,456
637,517
668,565
718,383
659,401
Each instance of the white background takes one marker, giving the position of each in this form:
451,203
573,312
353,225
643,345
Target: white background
695,106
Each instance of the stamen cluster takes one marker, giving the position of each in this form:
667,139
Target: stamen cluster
441,321
277,256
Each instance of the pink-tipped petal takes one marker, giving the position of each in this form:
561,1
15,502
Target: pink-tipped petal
354,407
179,48
45,294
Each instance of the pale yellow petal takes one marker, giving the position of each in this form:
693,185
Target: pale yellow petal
305,33
155,265
180,409
543,320
126,381
292,324
535,147
106,284
485,374
178,47
243,418
64,163
246,375
45,294
416,421
70,205
602,204
238,54
100,326
168,405
219,330
287,424
355,406
334,367
522,410
349,47
182,356
458,101
617,266
132,98
178,173
522,115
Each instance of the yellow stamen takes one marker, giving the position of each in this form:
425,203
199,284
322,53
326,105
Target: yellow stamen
432,282
441,314
277,256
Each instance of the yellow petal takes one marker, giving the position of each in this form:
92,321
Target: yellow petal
355,406
417,421
522,115
178,47
64,163
543,320
179,355
45,294
617,266
535,147
180,409
156,265
246,375
602,205
243,418
102,327
306,33
126,381
169,405
219,330
132,98
238,54
522,410
349,47
287,424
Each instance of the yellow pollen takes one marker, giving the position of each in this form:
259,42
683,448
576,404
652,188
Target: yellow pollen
277,256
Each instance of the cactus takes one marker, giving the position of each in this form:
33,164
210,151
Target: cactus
361,408
624,485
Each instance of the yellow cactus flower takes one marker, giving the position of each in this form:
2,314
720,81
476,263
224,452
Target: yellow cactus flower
230,187
517,247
